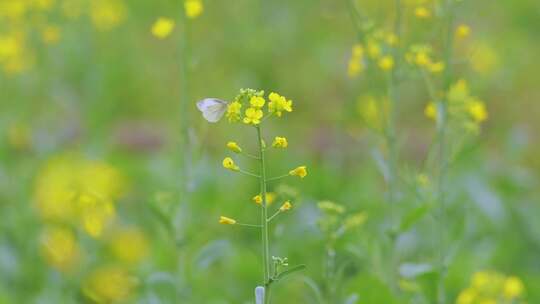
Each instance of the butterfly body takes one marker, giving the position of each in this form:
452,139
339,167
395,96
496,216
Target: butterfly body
212,109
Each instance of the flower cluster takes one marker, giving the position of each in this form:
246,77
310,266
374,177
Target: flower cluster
421,56
463,109
378,47
254,102
22,20
77,196
492,287
335,222
374,112
162,27
193,8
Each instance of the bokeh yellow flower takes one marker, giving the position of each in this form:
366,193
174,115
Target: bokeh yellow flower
95,213
329,206
513,287
193,8
462,31
71,189
129,245
60,248
431,110
356,62
477,109
50,34
386,63
422,12
107,14
162,27
109,284
280,142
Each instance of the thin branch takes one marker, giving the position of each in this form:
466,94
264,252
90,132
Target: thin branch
249,225
274,215
248,173
277,177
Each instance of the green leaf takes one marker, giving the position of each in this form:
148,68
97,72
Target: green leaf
414,216
289,271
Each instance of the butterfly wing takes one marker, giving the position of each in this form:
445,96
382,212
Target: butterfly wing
212,109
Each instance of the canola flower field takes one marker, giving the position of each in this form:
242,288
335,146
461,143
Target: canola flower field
333,151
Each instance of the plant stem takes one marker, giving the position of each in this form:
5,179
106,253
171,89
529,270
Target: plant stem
184,145
391,143
441,134
264,219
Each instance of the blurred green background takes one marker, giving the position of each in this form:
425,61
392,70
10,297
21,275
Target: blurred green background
111,181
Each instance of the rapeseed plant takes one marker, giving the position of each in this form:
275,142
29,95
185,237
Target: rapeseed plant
254,115
492,287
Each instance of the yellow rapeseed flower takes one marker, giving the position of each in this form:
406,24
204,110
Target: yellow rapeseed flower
373,49
463,31
129,245
193,8
162,27
44,4
466,296
233,111
109,284
280,142
329,206
431,110
257,102
356,64
95,213
513,287
299,171
484,59
233,146
50,34
253,116
386,63
422,12
107,14
436,67
228,163
286,206
355,220
226,220
478,111
391,39
270,198
278,104
60,248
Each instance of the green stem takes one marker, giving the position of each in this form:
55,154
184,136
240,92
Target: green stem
248,225
184,145
273,216
441,134
392,144
264,219
277,177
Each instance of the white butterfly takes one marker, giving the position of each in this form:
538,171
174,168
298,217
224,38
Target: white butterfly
212,109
